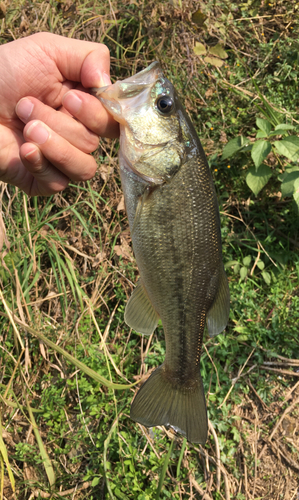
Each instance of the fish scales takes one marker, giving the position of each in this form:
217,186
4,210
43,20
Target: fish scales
175,228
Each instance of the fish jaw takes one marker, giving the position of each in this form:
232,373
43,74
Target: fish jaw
117,98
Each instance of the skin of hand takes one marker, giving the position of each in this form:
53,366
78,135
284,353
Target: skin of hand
49,124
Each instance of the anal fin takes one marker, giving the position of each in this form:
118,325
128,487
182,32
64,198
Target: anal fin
217,315
140,313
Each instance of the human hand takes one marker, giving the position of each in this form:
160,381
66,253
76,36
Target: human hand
37,75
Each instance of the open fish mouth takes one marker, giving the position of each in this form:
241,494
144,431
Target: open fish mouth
116,97
147,76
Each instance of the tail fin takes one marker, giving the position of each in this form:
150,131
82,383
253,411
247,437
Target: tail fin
160,402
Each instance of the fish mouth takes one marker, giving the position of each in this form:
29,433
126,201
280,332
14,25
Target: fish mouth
116,97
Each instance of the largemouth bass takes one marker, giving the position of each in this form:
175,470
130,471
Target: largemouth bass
175,228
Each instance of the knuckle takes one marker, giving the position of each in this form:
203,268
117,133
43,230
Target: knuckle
91,144
65,157
88,172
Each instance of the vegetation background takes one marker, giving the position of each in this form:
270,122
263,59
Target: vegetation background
67,360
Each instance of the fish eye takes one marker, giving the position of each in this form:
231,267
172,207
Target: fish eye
165,104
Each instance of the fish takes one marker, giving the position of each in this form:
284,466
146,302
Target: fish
174,222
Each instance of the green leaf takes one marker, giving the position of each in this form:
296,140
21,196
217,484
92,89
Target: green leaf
120,495
260,264
260,151
230,263
278,131
232,147
199,49
243,272
296,192
289,169
236,434
288,183
267,277
95,481
214,61
260,134
218,51
284,126
257,179
288,147
242,338
241,329
264,125
247,260
236,268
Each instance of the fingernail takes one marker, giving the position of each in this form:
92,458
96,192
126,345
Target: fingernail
33,156
37,132
72,102
24,109
104,80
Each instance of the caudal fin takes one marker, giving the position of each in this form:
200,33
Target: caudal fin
160,402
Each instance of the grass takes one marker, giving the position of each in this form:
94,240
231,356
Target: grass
68,361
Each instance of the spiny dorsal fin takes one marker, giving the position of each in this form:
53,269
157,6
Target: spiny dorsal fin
217,316
140,314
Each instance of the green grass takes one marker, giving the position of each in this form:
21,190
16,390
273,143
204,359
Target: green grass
67,359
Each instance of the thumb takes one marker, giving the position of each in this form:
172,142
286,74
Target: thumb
95,71
77,60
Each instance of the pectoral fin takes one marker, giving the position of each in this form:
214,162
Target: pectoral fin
217,316
139,208
140,314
